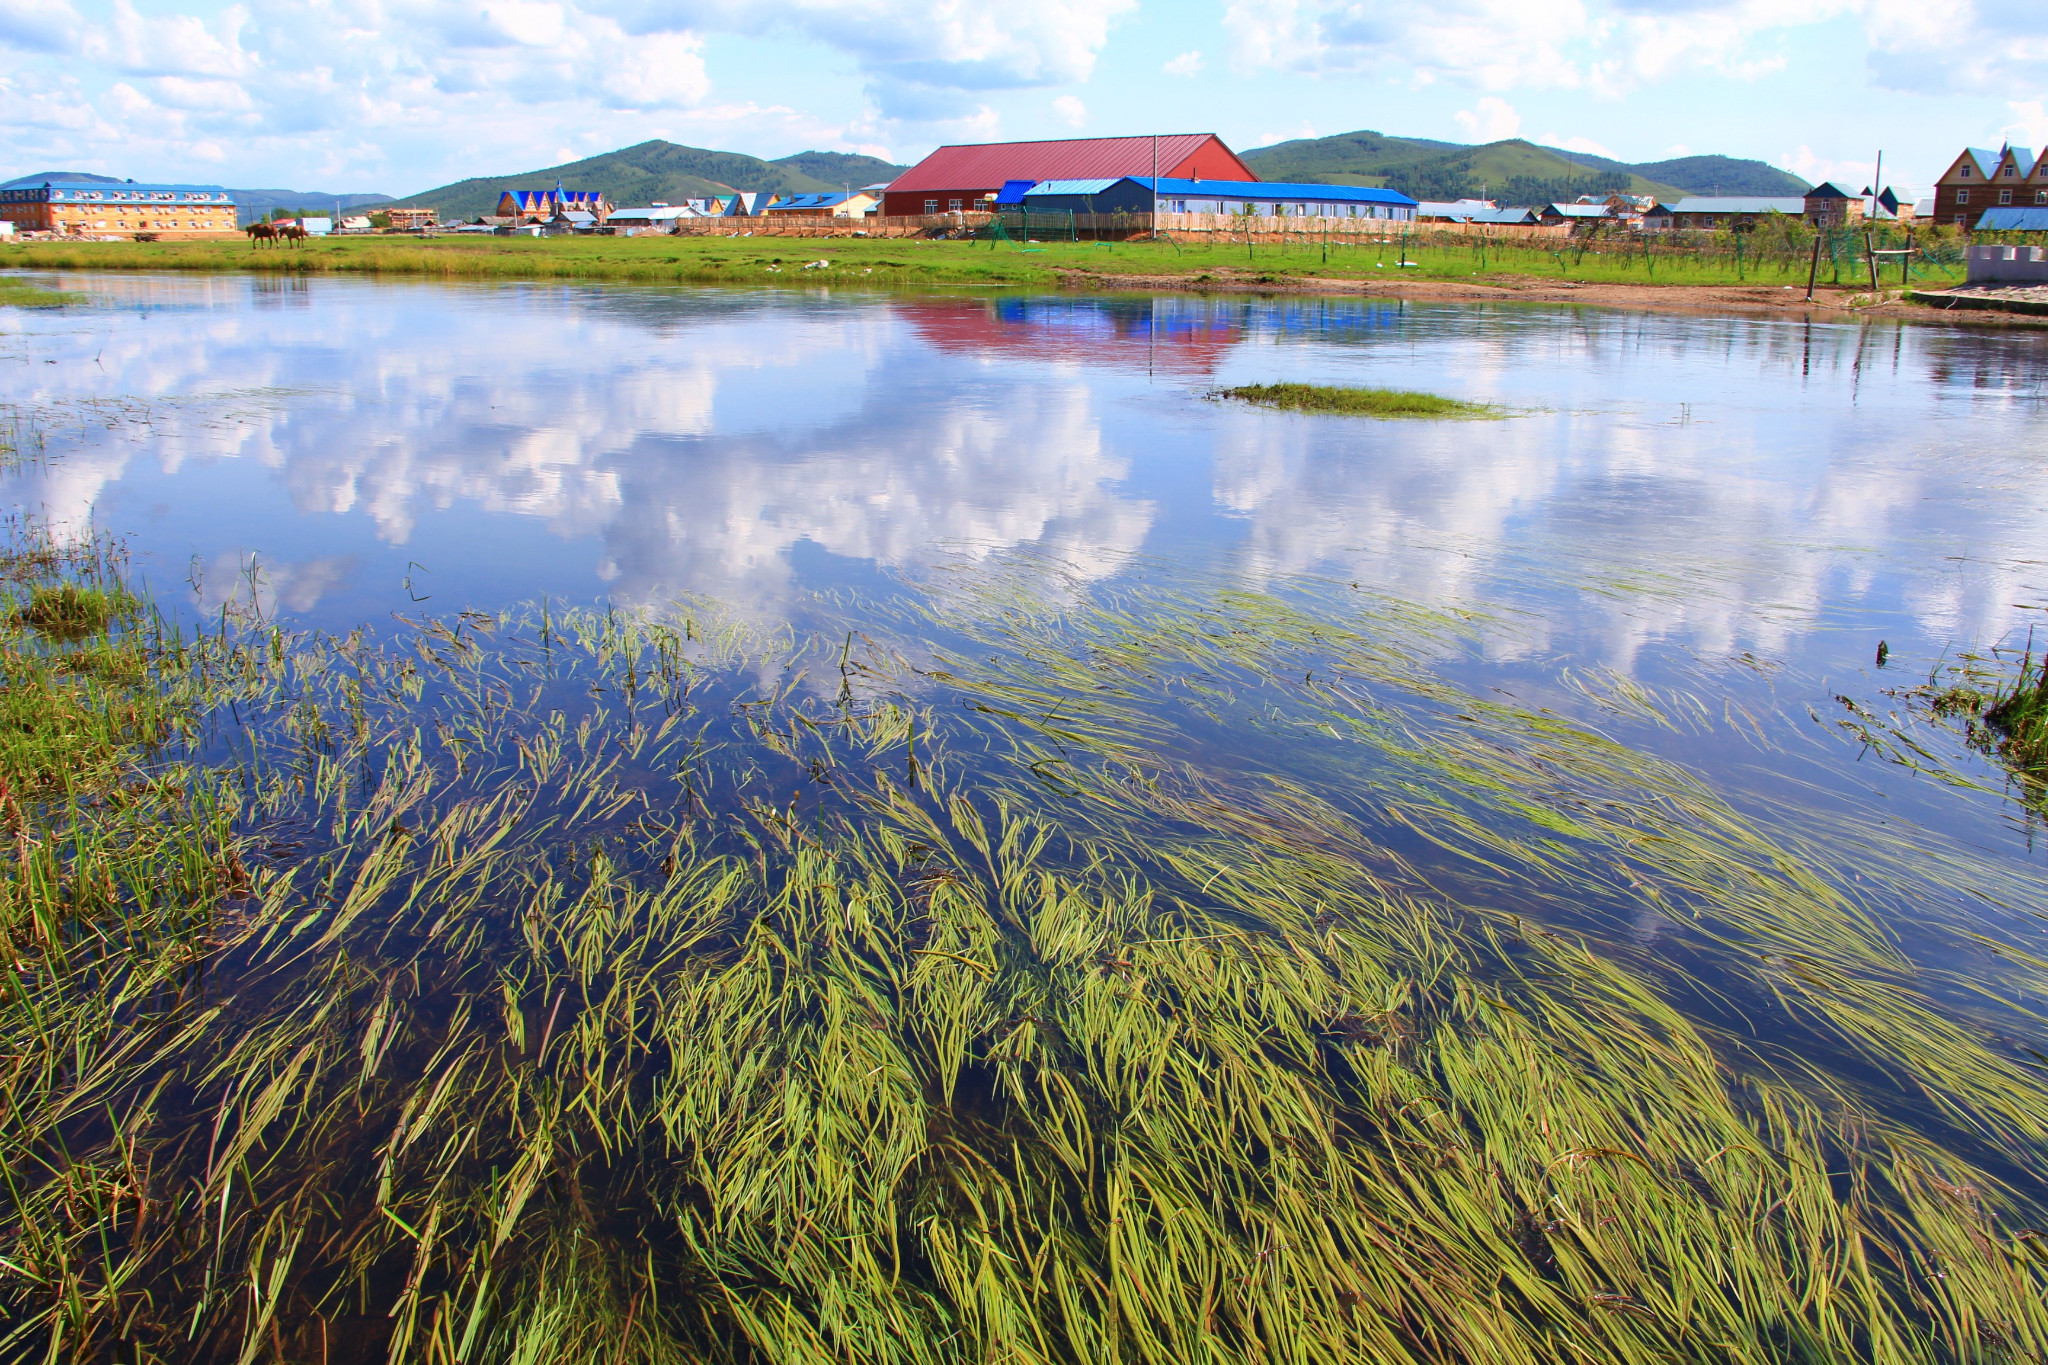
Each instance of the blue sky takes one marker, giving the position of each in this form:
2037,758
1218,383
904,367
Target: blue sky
402,95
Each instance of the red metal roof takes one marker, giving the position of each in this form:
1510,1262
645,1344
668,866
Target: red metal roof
987,165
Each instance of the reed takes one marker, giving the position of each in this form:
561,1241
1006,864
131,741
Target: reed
608,985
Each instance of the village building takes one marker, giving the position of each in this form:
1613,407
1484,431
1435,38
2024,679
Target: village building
1967,187
1582,215
91,208
1708,212
836,204
412,219
545,206
2012,179
967,179
1827,205
1261,198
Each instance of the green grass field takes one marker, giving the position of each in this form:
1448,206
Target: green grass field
898,262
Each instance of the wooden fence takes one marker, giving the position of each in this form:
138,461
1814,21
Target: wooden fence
1218,228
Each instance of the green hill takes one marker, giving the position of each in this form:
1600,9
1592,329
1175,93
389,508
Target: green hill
1725,175
659,170
1513,171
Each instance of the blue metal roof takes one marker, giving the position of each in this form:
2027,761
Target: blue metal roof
2013,220
1794,206
1986,161
1078,186
103,191
822,200
1274,190
1013,191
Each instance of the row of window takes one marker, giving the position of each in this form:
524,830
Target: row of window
2004,196
1963,172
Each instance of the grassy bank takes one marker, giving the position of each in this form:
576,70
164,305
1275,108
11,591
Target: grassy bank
599,986
898,262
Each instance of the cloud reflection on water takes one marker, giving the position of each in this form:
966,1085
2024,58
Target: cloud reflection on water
1726,484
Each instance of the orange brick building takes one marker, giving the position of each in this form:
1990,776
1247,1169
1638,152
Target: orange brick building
98,208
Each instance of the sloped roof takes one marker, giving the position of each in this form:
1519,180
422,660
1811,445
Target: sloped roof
1273,191
1576,210
1828,189
1074,186
1986,161
989,164
2022,159
1503,215
1794,206
820,200
2013,219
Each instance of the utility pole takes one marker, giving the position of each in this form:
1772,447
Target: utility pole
1155,187
1876,185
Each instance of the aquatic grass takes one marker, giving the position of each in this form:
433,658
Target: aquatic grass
1360,402
607,985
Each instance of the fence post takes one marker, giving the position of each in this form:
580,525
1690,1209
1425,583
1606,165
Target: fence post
1813,271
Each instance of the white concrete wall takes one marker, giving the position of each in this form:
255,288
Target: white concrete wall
2008,265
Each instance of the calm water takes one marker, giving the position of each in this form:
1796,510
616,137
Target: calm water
1674,483
1739,508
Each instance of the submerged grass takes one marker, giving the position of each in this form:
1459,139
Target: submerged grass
18,293
1360,402
596,986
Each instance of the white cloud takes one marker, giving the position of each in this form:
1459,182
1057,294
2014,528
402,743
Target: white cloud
1070,111
448,88
40,25
2029,126
1611,47
1849,175
1186,64
1576,144
1493,120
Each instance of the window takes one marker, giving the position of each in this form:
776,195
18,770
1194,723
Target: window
952,206
2007,171
931,206
2005,196
1965,170
2041,196
1962,196
1962,220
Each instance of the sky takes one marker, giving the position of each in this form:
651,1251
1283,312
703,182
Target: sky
398,96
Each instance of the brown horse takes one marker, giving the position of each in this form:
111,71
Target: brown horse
291,234
260,233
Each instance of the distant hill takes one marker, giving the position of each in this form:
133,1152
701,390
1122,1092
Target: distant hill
249,204
1725,175
1513,171
665,171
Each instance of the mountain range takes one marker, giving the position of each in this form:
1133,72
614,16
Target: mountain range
664,171
1512,171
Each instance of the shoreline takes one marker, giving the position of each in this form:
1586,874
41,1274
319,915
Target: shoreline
1442,273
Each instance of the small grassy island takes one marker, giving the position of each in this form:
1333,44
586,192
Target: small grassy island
1361,402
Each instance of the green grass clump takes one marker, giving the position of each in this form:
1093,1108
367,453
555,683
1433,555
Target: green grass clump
68,610
1360,402
2019,714
15,293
